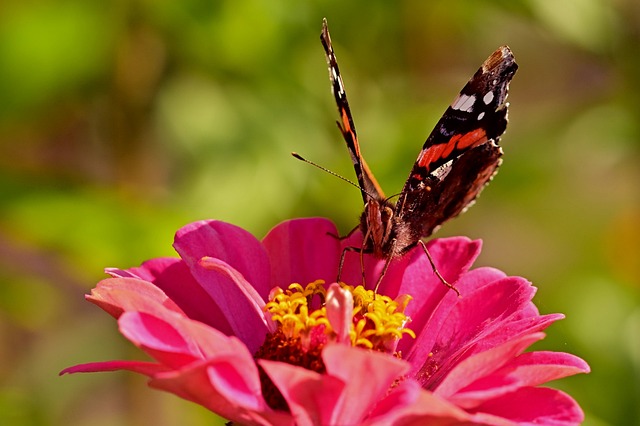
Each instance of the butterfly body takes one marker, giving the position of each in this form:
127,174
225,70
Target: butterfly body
457,160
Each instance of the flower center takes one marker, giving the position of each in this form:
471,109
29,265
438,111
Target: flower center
306,321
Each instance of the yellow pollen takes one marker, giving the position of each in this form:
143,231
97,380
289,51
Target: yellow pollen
377,320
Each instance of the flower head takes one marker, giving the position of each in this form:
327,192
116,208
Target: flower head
259,332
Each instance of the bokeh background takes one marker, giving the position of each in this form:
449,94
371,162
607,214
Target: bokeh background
121,121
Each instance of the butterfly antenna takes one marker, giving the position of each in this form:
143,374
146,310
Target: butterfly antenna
324,169
393,196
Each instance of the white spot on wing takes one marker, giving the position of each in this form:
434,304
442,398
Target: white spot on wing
487,98
481,115
464,103
442,171
338,81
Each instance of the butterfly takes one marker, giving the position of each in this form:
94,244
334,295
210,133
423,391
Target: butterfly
458,159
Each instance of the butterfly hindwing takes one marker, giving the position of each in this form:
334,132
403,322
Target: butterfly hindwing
446,193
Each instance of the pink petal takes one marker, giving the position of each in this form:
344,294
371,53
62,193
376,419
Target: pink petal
303,251
173,277
148,271
236,296
412,273
117,295
534,368
367,377
215,385
474,317
489,420
452,257
146,368
234,382
243,306
229,243
402,395
185,345
426,324
481,365
515,328
535,406
170,335
312,397
528,369
339,306
421,408
354,382
231,288
158,338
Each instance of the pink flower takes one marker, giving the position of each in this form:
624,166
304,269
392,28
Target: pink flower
227,330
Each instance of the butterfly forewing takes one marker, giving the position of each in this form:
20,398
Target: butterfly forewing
366,180
477,114
461,154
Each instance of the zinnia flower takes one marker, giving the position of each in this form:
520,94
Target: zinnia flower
259,333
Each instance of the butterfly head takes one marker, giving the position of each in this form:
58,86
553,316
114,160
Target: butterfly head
376,224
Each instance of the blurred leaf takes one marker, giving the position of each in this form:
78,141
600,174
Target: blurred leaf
91,228
48,49
588,23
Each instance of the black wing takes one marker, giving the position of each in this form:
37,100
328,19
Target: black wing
462,153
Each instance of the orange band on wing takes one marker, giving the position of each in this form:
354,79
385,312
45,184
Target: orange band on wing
346,126
432,154
436,152
471,139
457,141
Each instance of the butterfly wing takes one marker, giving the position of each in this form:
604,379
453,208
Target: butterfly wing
461,154
366,180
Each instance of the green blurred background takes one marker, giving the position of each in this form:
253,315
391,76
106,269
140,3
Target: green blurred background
121,121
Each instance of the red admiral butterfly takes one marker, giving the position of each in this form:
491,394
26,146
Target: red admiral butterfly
458,159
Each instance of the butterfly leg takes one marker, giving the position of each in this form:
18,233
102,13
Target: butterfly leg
364,279
392,248
382,274
362,252
338,237
366,238
344,252
435,270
